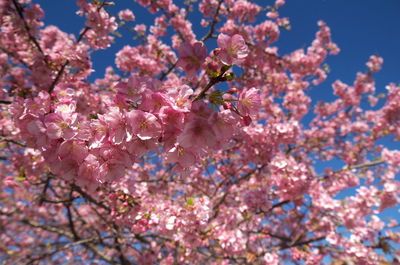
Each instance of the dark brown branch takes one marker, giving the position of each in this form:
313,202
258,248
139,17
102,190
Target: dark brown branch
4,139
46,186
14,56
27,28
61,71
59,201
210,33
164,74
213,81
367,164
67,246
89,198
60,231
279,204
123,260
58,76
300,243
70,219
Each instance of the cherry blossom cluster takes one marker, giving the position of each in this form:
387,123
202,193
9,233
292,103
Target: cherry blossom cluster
187,154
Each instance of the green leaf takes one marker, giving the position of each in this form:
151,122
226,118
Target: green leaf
21,175
190,201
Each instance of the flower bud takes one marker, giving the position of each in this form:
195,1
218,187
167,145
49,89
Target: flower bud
229,76
213,66
216,51
246,120
232,90
227,105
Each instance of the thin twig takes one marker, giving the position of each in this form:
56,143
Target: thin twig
61,71
164,74
27,28
89,198
213,81
367,164
210,33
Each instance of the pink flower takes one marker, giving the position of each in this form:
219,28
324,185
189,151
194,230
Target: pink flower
3,6
172,120
388,197
131,89
88,173
99,131
223,124
191,57
152,102
249,102
143,124
66,168
182,156
33,131
73,149
140,147
271,258
126,15
114,168
197,132
233,49
141,29
375,63
279,3
60,123
246,120
39,105
116,124
181,97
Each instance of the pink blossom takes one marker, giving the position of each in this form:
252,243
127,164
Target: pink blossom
113,169
126,14
99,131
181,155
191,57
249,102
73,149
181,96
233,49
131,89
143,124
244,10
115,119
172,120
67,168
60,124
224,123
375,63
153,102
3,6
100,24
141,28
39,105
267,30
140,147
33,130
88,173
197,132
279,3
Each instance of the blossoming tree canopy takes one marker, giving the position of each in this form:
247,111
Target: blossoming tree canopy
193,148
